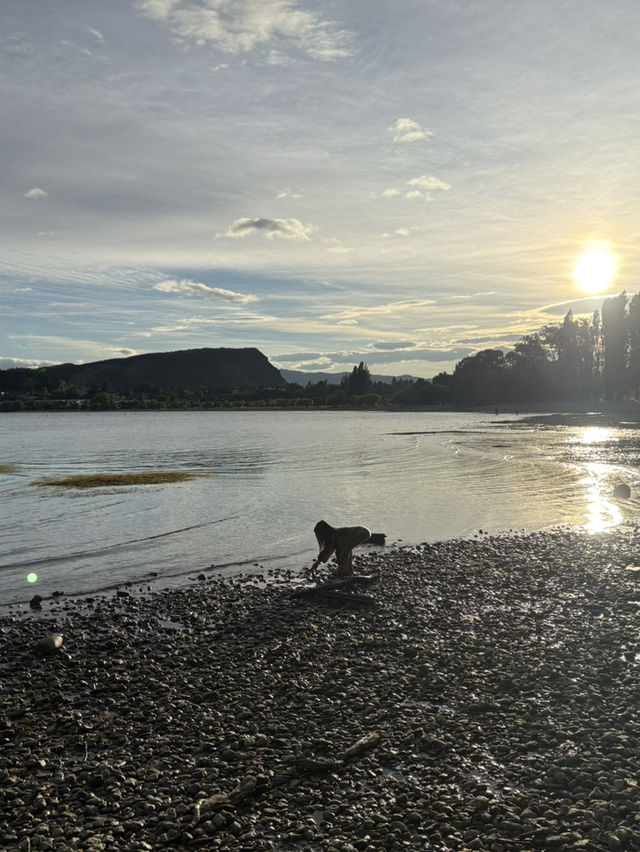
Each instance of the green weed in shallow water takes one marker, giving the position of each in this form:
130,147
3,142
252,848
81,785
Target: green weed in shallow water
8,468
104,480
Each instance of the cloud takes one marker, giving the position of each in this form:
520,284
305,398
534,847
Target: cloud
428,183
29,363
578,306
287,192
240,26
407,130
35,193
422,186
96,34
353,313
289,229
393,345
195,288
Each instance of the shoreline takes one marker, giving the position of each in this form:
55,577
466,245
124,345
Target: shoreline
496,679
544,407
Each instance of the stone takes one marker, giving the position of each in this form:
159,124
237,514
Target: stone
48,645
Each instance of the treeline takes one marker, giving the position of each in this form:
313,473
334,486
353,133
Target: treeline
578,359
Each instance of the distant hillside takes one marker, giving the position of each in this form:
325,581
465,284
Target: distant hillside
186,369
302,378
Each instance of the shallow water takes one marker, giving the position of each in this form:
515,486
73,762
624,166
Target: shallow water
265,478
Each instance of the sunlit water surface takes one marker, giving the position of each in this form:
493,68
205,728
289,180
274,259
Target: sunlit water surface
265,478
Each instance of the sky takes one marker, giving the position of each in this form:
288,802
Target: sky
401,183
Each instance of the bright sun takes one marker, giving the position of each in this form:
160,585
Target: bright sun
595,269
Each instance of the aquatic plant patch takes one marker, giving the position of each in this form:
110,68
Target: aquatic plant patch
104,480
8,468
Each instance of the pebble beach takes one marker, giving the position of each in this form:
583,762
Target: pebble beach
477,695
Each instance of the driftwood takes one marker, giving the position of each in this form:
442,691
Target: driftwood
322,764
337,589
349,581
316,764
243,790
251,784
363,744
334,596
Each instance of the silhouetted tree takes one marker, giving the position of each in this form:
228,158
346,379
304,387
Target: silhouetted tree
359,381
531,376
614,339
479,379
634,344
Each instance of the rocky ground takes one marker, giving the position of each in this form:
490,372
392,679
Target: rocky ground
496,682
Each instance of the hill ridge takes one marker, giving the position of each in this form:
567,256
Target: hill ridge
182,369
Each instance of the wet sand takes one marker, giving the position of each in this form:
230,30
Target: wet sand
497,680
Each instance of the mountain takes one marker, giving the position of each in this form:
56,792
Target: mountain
301,378
186,369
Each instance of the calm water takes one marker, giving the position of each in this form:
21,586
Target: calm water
265,478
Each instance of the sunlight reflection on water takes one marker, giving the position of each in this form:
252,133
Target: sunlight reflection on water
602,513
595,435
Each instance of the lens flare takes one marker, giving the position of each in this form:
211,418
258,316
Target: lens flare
32,577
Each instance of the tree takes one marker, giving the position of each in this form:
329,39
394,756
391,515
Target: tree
479,379
531,376
359,381
585,348
614,340
571,345
634,344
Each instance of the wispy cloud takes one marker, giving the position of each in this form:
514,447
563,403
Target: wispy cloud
408,130
388,308
287,192
243,25
288,229
191,288
393,345
90,349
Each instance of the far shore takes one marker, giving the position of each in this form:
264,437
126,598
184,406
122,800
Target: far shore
549,408
474,695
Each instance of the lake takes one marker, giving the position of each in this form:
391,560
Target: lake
265,477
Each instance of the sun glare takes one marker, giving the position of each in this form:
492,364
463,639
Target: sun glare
595,269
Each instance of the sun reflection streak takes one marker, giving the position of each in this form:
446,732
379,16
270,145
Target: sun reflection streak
602,513
595,435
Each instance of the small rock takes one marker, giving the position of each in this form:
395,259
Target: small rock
48,645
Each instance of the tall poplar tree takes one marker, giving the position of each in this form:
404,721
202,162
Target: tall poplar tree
614,339
634,344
